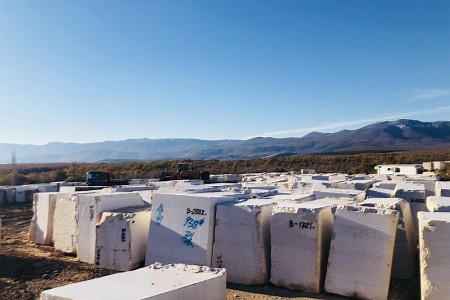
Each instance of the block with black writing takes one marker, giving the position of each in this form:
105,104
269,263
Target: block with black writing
300,238
121,238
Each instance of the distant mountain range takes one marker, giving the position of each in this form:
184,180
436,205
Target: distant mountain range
400,135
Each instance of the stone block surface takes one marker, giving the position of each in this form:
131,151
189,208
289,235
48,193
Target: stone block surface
406,239
182,227
242,241
434,246
438,203
41,227
156,282
121,238
89,210
300,238
361,252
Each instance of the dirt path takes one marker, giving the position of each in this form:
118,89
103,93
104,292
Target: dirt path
27,269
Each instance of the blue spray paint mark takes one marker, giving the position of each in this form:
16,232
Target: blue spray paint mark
160,216
192,223
187,239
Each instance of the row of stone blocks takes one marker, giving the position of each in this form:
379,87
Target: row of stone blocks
14,195
110,230
192,217
287,242
84,222
182,230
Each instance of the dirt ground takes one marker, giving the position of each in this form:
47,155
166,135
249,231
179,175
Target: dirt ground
27,269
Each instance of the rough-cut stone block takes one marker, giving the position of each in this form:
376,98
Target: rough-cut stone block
10,195
406,239
434,245
329,177
155,282
122,236
438,203
242,241
47,188
65,223
182,227
41,227
140,181
131,188
294,197
398,178
355,195
314,185
70,189
377,192
361,252
415,195
145,191
361,185
443,188
89,210
24,194
333,203
430,185
300,243
388,185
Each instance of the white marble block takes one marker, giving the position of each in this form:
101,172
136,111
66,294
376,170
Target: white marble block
65,223
24,194
361,185
182,227
416,196
89,210
121,238
47,188
430,186
438,203
333,203
361,252
156,282
377,192
41,227
300,239
389,185
243,231
10,195
355,195
70,189
443,188
406,240
296,196
434,249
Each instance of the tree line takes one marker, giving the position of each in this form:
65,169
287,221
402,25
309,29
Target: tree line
363,163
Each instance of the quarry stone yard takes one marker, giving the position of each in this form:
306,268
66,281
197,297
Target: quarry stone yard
27,269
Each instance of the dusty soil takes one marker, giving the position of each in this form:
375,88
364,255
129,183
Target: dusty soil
27,269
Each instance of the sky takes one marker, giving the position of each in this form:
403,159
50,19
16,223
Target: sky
91,71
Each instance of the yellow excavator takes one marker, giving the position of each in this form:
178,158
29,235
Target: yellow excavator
185,171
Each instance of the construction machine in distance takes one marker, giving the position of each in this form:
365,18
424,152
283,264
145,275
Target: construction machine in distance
185,171
99,178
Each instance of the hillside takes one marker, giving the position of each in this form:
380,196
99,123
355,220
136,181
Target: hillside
400,135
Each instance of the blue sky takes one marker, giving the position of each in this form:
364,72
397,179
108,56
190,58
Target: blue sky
87,71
